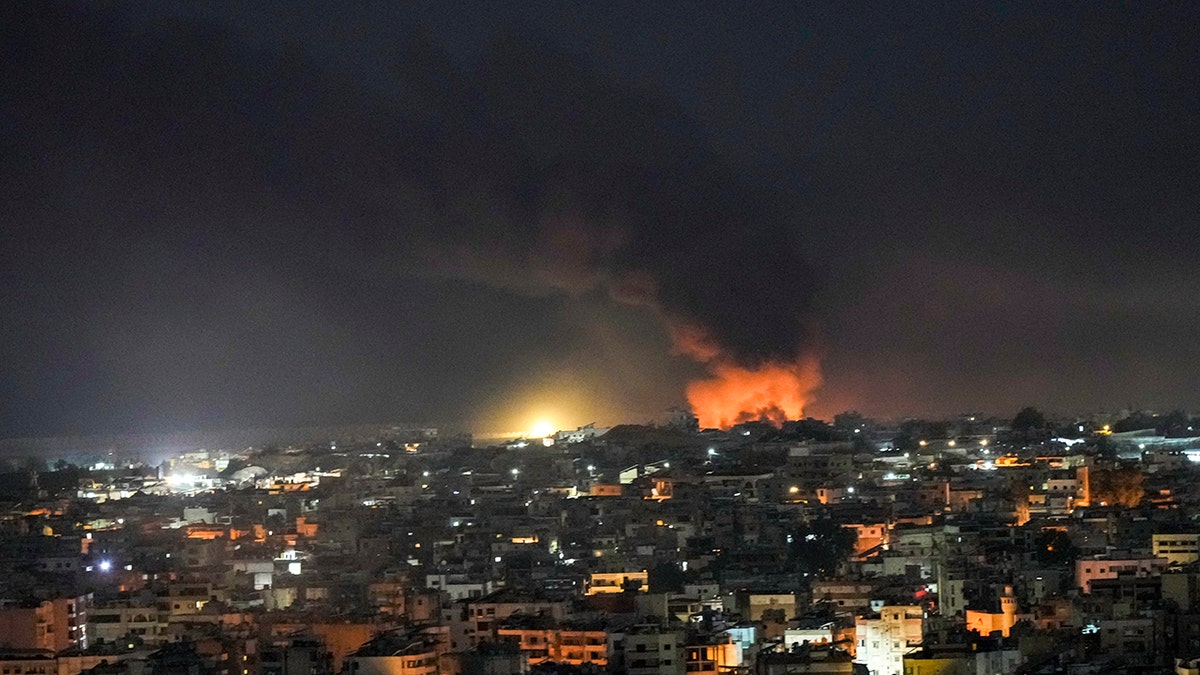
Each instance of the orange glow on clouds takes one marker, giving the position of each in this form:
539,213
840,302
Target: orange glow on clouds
774,392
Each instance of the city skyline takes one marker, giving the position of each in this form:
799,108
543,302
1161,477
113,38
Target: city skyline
563,337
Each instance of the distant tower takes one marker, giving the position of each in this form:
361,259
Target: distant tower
1008,607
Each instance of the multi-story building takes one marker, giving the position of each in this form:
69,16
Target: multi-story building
712,654
646,649
883,640
544,640
128,619
395,654
1177,549
970,655
41,662
617,582
844,595
484,613
459,586
53,625
296,656
1112,566
800,661
810,634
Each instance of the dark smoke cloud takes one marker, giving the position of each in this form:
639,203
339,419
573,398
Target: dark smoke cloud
619,187
524,168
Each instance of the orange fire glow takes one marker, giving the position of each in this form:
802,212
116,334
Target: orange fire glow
774,392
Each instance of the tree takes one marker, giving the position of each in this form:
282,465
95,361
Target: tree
821,546
1054,548
1136,422
1028,419
912,432
1122,486
775,616
1174,423
666,577
810,429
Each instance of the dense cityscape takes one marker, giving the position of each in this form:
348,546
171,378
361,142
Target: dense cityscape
576,337
969,545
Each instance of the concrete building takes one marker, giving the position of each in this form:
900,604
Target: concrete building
53,625
810,635
801,661
846,595
41,662
297,656
395,654
128,619
715,654
884,640
459,586
492,658
966,657
483,614
543,640
646,649
1176,549
1112,566
617,582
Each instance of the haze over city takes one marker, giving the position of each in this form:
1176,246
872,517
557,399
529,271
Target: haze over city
296,214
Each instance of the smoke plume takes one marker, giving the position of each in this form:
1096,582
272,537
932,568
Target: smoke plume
523,167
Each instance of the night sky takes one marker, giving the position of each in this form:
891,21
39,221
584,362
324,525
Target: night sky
478,216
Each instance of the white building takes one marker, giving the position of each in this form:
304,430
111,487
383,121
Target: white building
823,634
883,641
580,435
459,586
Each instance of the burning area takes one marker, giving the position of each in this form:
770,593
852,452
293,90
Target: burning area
771,392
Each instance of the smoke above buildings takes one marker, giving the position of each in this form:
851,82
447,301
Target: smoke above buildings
606,186
522,168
